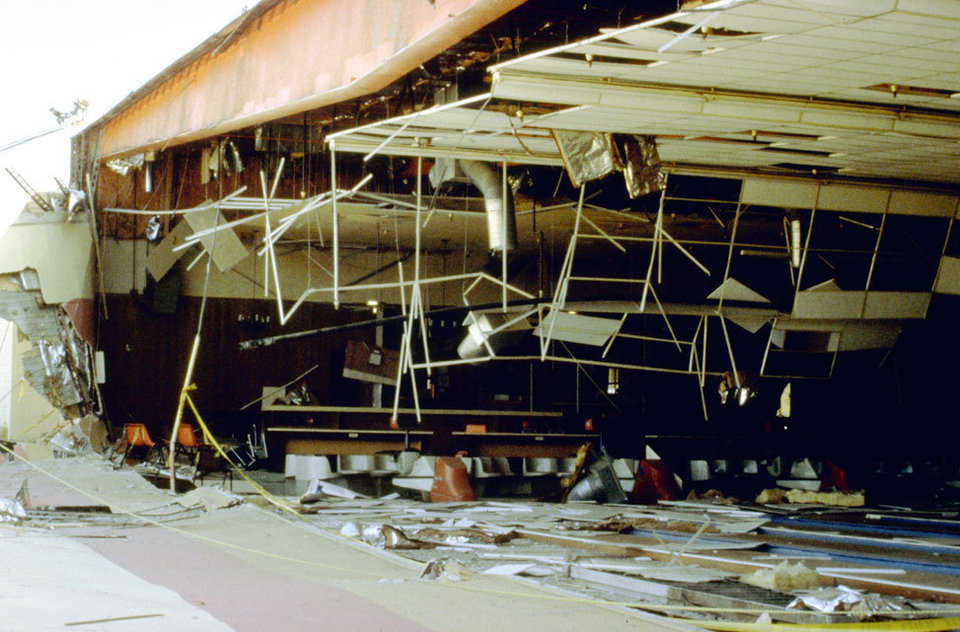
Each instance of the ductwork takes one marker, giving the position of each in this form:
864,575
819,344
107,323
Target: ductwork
490,183
480,326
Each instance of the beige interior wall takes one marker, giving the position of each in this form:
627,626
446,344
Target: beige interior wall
125,268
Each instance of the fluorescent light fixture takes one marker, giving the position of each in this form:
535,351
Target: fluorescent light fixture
795,242
372,303
772,36
722,4
661,62
711,51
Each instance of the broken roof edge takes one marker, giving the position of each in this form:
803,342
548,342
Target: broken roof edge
402,61
213,43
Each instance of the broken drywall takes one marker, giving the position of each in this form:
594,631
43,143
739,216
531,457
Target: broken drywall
61,253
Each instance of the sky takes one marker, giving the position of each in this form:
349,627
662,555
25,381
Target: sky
53,52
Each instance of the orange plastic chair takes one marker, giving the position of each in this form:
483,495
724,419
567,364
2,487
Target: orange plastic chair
187,442
136,436
186,437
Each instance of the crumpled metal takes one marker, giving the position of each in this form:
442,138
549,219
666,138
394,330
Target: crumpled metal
59,383
153,229
11,511
842,599
586,155
641,166
124,165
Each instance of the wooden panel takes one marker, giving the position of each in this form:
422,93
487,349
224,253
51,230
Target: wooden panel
345,446
146,358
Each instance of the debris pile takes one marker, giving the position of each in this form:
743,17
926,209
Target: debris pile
721,561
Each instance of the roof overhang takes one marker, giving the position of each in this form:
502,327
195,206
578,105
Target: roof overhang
285,58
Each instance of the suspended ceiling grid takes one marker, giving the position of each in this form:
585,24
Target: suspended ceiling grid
464,129
784,100
798,68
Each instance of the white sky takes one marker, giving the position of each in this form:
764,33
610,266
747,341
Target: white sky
55,51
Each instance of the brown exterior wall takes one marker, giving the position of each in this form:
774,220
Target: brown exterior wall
297,57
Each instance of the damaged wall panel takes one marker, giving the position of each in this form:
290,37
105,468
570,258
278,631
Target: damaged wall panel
58,363
32,416
62,255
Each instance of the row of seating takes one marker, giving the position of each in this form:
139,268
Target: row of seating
136,438
411,465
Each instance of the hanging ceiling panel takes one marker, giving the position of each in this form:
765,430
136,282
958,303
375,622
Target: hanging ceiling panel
824,72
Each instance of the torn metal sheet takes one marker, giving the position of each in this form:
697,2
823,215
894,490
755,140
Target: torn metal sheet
843,599
226,247
641,169
60,363
586,155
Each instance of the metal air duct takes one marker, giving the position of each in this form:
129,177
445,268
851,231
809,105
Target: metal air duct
490,183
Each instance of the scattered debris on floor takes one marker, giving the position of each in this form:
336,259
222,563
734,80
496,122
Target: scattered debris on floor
210,498
783,577
703,560
444,568
724,561
776,496
11,511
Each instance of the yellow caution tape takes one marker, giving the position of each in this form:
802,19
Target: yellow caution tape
906,625
183,532
903,625
208,436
